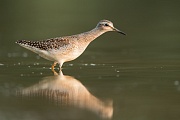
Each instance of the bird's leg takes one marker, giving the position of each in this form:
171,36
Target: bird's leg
52,68
60,67
55,73
53,65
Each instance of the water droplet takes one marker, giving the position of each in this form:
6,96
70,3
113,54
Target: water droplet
70,64
86,64
93,64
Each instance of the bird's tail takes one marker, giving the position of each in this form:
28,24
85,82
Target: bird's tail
30,45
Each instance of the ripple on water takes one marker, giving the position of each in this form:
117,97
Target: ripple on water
91,64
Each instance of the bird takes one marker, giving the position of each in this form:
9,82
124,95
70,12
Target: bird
67,48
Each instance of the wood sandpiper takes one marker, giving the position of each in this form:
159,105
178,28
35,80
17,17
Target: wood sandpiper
67,48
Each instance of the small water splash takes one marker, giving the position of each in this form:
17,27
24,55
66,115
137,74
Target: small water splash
70,64
92,64
36,63
85,64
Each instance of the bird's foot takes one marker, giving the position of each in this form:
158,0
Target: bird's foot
52,68
53,65
55,73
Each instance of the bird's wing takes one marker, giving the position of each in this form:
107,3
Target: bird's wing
53,43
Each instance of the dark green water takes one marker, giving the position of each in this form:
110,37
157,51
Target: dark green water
118,77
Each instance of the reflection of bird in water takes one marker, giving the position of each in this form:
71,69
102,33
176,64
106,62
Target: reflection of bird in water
66,90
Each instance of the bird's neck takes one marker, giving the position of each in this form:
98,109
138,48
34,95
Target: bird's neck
91,35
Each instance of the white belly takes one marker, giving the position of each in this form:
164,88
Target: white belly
63,55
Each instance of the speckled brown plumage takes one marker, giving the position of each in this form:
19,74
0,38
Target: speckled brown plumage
53,43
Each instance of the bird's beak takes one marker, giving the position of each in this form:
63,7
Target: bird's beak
115,29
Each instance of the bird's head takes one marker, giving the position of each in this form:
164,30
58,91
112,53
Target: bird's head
107,25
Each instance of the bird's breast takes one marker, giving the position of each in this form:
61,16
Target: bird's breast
74,53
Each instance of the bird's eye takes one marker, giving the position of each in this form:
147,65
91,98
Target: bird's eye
106,24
